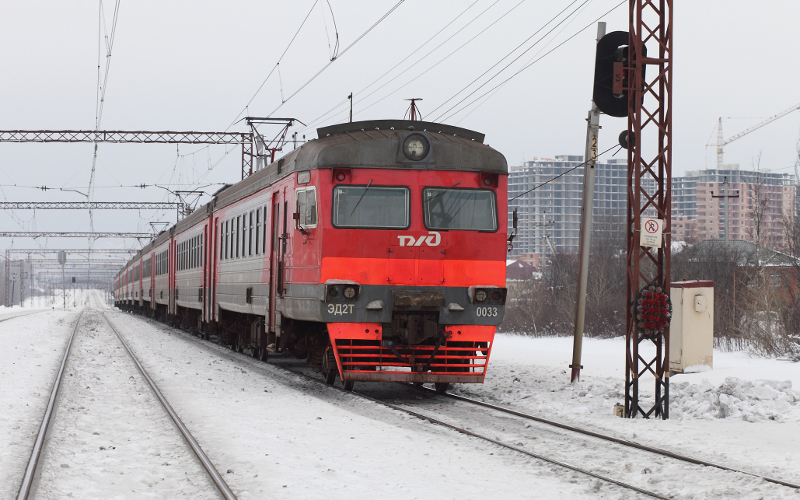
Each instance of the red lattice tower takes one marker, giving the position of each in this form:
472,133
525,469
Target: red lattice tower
649,191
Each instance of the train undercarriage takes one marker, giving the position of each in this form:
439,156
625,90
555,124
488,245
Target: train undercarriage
413,348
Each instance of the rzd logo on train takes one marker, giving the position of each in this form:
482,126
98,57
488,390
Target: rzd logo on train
432,239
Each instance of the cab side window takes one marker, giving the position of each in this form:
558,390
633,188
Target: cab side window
307,207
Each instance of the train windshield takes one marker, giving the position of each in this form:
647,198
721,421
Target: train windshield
371,207
459,209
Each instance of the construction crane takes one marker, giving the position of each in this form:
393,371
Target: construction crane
721,142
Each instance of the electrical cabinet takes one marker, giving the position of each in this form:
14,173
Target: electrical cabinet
691,331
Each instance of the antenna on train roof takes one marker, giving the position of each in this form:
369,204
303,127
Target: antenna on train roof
413,109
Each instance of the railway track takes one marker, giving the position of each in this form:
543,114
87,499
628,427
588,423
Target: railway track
485,436
605,437
32,469
21,315
233,355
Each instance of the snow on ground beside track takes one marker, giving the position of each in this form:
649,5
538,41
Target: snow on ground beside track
743,412
31,349
111,438
281,436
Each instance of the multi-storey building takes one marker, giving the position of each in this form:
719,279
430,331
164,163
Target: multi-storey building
757,202
550,214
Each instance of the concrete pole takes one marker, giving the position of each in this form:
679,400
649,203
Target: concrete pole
727,194
590,159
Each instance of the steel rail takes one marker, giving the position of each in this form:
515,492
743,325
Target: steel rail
623,442
212,471
18,316
449,426
505,445
33,462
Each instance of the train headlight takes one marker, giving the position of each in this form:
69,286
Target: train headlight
333,292
349,292
416,147
480,295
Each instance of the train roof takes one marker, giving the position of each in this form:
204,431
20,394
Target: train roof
364,145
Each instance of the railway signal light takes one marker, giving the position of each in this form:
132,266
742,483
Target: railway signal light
611,74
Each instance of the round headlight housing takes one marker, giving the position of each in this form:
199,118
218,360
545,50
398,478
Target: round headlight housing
416,147
480,295
333,292
349,292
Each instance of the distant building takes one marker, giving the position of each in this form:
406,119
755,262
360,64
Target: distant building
698,208
550,215
547,194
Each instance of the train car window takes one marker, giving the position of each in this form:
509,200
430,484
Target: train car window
245,235
250,235
258,230
459,209
307,207
224,249
238,234
264,236
371,207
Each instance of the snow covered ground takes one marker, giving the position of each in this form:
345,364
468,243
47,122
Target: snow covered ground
276,435
744,413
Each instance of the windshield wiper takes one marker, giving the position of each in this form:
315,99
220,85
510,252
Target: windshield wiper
443,192
362,197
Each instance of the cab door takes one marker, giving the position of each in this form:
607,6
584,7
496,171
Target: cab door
275,262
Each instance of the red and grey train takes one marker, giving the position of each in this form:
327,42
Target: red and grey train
376,252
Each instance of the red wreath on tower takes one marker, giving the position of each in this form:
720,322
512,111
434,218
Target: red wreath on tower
653,311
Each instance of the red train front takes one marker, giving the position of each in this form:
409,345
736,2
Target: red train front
411,247
377,252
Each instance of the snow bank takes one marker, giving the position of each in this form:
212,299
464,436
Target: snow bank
735,398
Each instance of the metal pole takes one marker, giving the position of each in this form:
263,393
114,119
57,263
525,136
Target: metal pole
592,127
64,286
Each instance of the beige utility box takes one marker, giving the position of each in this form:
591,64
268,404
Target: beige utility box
691,331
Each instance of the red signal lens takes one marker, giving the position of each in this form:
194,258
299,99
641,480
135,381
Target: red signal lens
497,296
340,176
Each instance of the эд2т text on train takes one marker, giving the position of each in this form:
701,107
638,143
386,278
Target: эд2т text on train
376,252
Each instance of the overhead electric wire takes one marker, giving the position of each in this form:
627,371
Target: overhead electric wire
562,174
442,59
236,120
101,92
530,64
565,19
340,55
315,120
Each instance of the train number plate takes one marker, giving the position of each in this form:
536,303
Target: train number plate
487,312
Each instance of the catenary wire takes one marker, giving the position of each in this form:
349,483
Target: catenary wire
315,120
442,59
514,50
515,59
340,55
535,61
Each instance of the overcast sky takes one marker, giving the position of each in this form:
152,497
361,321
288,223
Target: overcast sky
181,65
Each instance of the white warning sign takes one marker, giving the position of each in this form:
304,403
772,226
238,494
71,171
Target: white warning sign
651,233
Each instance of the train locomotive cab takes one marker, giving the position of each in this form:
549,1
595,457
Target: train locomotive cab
398,249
